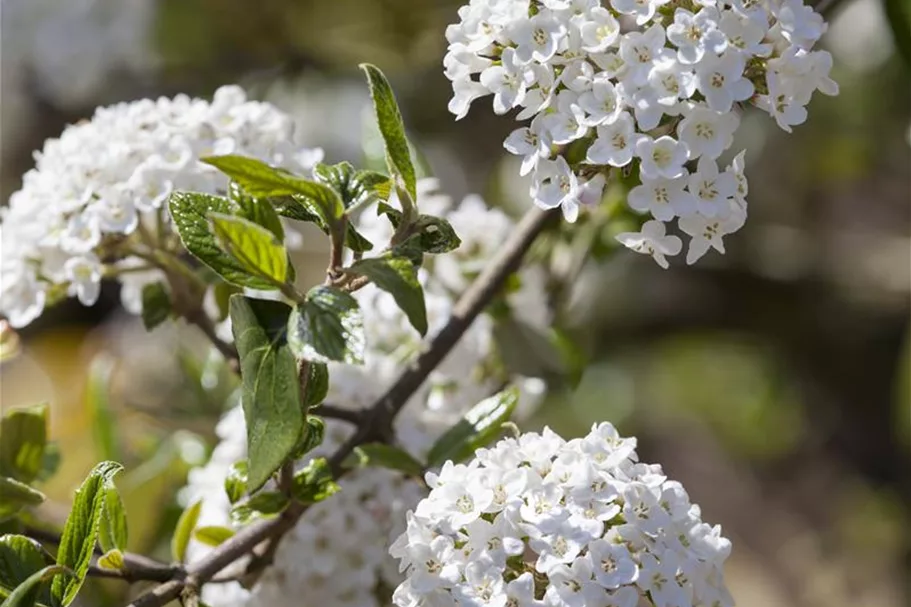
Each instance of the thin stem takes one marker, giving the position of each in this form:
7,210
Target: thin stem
378,418
352,416
205,324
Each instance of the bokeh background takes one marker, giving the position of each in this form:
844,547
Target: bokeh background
773,382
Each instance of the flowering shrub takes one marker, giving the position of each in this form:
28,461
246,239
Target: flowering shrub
651,87
344,406
537,520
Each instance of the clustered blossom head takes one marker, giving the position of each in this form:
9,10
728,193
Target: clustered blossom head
649,86
543,522
94,203
337,555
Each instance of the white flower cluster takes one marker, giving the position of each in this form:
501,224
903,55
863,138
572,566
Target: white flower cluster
541,522
646,85
337,555
94,201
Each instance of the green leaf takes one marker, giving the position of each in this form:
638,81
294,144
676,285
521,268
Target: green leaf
111,559
355,241
113,531
20,557
327,327
259,179
98,407
213,535
346,181
314,483
475,430
261,505
397,276
156,305
272,402
431,234
27,593
81,530
256,249
378,183
50,462
260,211
236,481
387,456
23,438
392,128
190,212
222,292
185,526
314,433
317,385
14,496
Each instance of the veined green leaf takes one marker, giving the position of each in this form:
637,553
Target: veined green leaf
259,179
190,212
112,559
213,535
272,402
314,483
475,430
255,247
260,211
81,530
14,496
397,276
317,385
236,481
185,526
327,327
156,305
20,557
23,438
113,533
392,128
263,504
27,593
388,456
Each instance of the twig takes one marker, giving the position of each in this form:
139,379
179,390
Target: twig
352,416
136,567
378,418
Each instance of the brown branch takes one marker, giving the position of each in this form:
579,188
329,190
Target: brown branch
352,416
378,418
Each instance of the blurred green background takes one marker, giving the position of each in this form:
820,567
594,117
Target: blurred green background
773,382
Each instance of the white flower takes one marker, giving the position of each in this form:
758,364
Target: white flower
600,32
537,38
602,104
574,565
744,34
707,132
507,81
652,241
800,24
84,276
662,157
708,232
643,10
663,198
464,92
671,82
720,79
529,143
615,143
782,106
694,35
712,190
568,123
639,50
